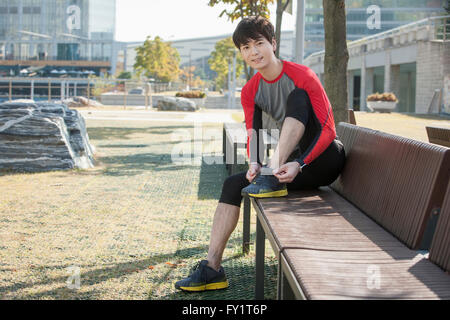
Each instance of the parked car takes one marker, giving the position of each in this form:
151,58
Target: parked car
136,91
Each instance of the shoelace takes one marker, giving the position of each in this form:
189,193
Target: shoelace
195,268
257,179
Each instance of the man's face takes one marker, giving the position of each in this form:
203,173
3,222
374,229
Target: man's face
258,53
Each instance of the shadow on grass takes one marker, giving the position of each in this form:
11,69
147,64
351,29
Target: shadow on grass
95,276
240,273
135,146
135,164
114,133
212,176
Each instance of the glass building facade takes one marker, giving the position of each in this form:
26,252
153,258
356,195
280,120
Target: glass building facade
392,14
67,30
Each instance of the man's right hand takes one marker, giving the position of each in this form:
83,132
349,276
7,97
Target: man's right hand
253,170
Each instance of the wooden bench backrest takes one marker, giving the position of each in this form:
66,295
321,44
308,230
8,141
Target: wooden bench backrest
395,180
440,247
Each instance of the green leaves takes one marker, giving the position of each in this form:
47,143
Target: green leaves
243,8
221,57
157,59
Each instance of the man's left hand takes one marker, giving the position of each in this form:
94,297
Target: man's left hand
287,172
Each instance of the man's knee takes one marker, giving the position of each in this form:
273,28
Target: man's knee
231,189
237,181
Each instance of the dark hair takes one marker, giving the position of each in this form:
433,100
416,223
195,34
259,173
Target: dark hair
253,28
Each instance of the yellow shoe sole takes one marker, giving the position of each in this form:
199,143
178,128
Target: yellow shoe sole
209,286
279,193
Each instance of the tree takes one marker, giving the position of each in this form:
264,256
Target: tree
241,9
244,8
281,7
336,57
223,54
188,77
157,59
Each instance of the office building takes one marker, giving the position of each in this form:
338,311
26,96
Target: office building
58,35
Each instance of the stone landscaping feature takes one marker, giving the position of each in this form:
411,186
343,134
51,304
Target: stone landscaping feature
36,137
176,104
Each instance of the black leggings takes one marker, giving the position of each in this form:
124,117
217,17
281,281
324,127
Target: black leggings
321,172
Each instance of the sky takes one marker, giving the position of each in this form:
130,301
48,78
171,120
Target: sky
177,19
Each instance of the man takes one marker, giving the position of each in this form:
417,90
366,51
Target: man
308,154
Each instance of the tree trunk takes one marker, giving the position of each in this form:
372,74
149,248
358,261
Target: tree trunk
278,26
281,6
336,57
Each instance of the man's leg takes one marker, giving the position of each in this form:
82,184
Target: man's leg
226,217
224,223
209,275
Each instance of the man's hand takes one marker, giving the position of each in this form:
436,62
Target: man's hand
287,172
253,170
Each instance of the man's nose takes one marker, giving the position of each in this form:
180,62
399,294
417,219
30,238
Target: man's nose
254,50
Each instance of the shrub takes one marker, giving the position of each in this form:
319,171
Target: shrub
191,94
387,96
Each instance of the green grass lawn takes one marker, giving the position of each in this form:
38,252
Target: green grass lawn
134,225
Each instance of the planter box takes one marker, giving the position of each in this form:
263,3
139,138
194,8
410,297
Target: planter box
381,106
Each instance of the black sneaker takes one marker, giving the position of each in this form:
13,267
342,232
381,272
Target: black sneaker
265,186
203,278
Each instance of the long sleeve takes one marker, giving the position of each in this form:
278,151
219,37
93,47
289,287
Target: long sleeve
323,118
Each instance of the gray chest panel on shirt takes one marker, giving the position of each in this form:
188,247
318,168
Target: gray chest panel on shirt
272,97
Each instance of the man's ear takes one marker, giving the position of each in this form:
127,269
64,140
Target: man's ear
274,44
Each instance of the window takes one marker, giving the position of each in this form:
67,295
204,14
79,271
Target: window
31,10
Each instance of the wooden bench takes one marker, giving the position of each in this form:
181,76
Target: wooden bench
439,135
235,137
440,248
360,238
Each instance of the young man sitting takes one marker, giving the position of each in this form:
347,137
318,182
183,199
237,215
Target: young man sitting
308,154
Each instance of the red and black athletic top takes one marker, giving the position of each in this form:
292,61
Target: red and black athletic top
296,90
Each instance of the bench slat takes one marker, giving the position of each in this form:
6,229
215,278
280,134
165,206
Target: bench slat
396,181
332,248
298,219
367,275
440,247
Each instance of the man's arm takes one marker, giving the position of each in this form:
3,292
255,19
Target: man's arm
295,122
256,143
323,114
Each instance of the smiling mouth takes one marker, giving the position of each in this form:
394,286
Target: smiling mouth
257,60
